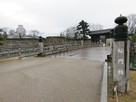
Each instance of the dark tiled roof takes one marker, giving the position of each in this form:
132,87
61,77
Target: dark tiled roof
101,32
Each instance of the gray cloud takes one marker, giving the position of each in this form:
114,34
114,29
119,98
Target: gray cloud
54,16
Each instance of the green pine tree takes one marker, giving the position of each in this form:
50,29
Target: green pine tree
83,28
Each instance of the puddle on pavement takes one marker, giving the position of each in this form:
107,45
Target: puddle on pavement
95,53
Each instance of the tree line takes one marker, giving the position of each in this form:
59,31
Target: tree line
20,32
82,30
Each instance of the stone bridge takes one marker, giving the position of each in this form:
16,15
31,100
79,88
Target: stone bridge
73,76
23,48
65,71
69,72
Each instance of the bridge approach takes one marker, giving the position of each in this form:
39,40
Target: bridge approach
74,76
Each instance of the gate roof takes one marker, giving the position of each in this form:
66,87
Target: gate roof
100,32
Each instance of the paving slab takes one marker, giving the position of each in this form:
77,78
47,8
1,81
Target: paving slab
50,80
93,53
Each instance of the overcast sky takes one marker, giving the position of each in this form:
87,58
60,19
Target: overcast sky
54,16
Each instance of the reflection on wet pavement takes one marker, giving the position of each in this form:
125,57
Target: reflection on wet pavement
94,53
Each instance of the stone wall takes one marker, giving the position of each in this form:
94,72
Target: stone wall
22,48
13,48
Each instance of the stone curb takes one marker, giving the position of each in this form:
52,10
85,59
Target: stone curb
104,84
9,59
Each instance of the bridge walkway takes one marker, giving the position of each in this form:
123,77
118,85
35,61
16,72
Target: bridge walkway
70,78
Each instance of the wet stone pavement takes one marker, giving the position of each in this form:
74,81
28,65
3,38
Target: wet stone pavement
94,53
74,76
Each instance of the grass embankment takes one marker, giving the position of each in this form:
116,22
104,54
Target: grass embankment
131,95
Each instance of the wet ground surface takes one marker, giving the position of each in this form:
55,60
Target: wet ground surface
95,53
74,76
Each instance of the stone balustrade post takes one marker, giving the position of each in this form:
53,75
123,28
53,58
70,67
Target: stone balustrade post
121,55
41,47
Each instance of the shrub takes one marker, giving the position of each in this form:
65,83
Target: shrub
1,37
133,38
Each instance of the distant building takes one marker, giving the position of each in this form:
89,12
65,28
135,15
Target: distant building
13,36
21,31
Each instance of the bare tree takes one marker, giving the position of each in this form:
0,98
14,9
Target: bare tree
69,32
35,33
62,34
131,23
94,27
6,31
12,32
